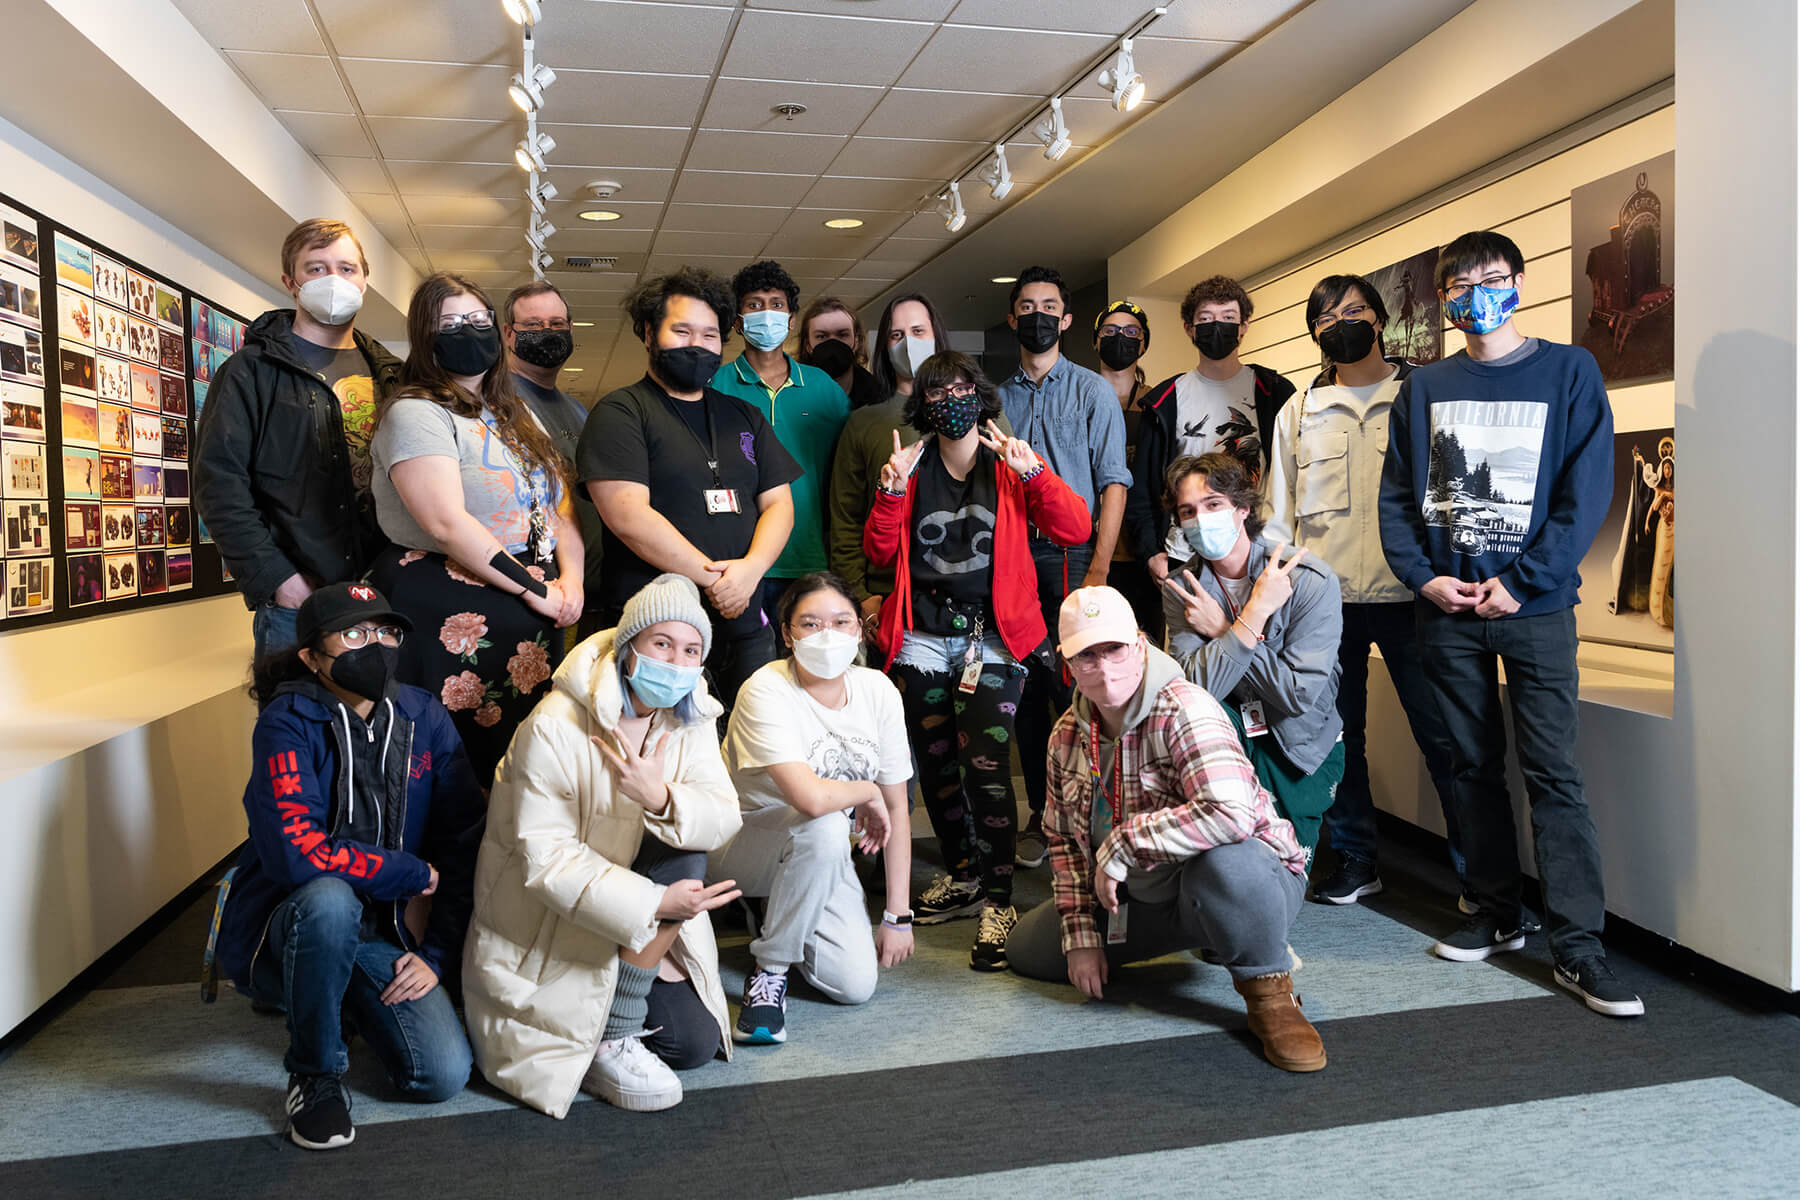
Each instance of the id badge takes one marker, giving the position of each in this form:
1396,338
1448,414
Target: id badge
721,500
1117,925
971,677
1255,724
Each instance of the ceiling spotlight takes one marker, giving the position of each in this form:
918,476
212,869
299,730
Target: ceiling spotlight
954,216
598,214
530,152
1054,132
1004,279
1122,80
996,176
540,195
574,370
523,12
843,223
528,94
542,229
534,242
582,324
542,259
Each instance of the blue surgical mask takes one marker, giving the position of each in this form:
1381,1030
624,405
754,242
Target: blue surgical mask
661,684
1212,534
766,329
1483,310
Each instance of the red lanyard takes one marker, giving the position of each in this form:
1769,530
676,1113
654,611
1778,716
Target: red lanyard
1116,798
1224,593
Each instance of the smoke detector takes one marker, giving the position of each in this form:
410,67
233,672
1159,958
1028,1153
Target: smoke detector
604,189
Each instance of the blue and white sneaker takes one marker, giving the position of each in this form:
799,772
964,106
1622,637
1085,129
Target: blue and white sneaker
763,1018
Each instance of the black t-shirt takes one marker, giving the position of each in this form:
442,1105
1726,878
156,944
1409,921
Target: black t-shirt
952,552
641,434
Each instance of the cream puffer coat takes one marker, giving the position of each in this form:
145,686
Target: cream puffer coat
555,897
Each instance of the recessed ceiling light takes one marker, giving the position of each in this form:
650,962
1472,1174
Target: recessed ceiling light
574,370
599,214
582,324
843,223
1005,279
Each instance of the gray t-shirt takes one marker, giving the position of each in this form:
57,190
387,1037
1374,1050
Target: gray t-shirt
497,490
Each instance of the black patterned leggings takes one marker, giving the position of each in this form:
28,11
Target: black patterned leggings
963,742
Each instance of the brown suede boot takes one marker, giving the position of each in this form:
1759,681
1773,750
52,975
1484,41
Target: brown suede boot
1288,1038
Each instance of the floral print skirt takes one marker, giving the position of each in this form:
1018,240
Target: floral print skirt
476,648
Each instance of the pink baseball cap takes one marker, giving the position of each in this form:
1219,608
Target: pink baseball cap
1093,615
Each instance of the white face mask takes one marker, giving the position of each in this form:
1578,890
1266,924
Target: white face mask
330,299
827,653
907,355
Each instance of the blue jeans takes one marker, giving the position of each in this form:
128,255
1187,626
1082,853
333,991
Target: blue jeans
273,628
314,965
1460,654
1392,628
1059,572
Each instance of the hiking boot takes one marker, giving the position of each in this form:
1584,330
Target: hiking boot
1288,1038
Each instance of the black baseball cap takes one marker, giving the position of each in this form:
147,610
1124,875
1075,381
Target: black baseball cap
338,606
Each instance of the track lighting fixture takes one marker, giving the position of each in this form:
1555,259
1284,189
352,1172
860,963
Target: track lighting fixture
996,176
523,12
1054,132
528,93
954,215
540,196
531,151
1122,80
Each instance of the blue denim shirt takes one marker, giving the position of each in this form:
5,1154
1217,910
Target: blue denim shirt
1072,418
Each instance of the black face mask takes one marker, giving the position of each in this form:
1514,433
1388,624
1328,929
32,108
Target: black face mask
1348,341
686,368
833,357
547,348
468,351
366,670
1216,339
1118,351
1038,331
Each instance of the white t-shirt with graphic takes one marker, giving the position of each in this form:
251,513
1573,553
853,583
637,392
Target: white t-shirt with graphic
1209,413
775,720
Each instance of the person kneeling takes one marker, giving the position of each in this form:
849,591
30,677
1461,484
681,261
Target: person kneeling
360,800
1161,839
814,737
586,966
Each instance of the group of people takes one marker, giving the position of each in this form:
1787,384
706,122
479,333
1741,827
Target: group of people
542,688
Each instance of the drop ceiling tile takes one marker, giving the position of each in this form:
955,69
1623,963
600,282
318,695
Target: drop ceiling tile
785,153
446,140
824,244
1000,60
910,157
733,187
746,104
439,178
1169,65
637,184
357,174
811,221
506,238
601,146
907,250
466,210
622,35
640,215
328,133
930,226
381,207
719,264
892,195
829,268
910,10
415,258
586,96
1224,20
899,268
822,49
399,233
741,246
1081,16
723,218
584,238
912,112
280,27
445,31
299,81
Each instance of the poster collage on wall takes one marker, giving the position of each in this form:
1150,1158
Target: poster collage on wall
96,396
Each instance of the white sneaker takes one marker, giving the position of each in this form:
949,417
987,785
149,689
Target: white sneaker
628,1075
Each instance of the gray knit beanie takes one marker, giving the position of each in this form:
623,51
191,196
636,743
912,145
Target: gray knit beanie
668,597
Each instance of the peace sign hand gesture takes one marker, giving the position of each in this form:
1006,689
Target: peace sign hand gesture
1014,452
1204,616
640,775
895,471
1273,587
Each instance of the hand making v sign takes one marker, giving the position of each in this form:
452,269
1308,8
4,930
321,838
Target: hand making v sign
1014,452
897,469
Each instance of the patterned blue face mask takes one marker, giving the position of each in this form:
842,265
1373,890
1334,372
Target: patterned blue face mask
1483,309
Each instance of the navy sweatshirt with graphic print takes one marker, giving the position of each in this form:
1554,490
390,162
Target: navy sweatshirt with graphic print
1499,471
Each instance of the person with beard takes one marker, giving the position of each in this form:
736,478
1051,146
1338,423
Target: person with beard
831,339
951,517
360,801
1161,839
687,479
534,324
1121,338
1222,404
486,557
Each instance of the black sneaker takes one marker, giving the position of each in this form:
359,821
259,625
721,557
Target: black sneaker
318,1109
1528,921
1351,881
947,900
1031,849
989,951
1478,937
1592,980
763,1018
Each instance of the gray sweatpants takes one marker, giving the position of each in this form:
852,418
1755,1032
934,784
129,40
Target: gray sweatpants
1237,901
814,920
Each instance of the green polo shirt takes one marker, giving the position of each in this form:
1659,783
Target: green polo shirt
807,412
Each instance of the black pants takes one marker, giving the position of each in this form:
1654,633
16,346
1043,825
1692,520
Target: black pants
1460,654
686,1035
1047,694
1132,580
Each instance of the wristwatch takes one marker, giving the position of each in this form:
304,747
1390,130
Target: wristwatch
897,920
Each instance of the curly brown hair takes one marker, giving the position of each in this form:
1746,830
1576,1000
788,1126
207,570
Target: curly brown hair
1220,289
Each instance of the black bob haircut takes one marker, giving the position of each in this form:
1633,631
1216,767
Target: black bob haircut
1330,291
941,370
1039,275
1473,251
765,276
647,304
